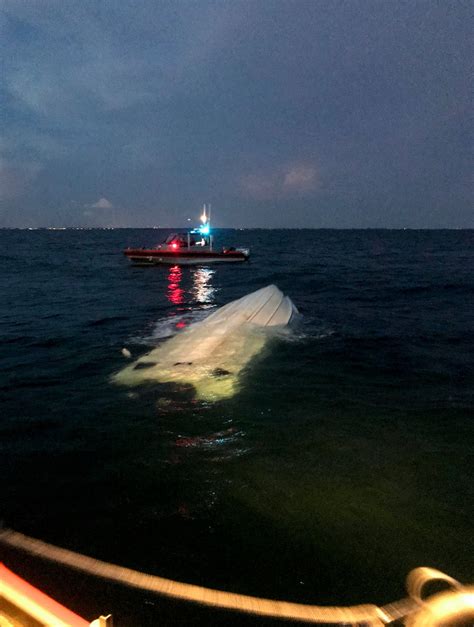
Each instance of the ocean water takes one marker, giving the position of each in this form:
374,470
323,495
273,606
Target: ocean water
342,462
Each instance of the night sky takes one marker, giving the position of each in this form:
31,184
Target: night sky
344,114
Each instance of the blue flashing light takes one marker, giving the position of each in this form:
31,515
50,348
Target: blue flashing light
204,229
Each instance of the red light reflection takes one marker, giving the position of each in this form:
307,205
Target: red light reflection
175,293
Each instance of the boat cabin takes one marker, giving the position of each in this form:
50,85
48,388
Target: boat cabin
191,239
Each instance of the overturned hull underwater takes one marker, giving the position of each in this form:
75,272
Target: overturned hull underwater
211,354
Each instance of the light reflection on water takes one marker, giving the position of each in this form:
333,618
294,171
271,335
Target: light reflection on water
175,293
203,289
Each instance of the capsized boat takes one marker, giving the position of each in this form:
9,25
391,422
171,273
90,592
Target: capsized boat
210,354
193,247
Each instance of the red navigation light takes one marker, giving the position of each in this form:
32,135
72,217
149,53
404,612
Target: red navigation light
174,245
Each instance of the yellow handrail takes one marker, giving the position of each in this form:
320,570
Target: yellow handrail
367,614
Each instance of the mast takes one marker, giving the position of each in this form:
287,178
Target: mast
205,228
209,224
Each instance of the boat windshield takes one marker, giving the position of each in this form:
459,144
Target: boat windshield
174,237
181,240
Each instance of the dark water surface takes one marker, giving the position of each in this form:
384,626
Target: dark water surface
342,462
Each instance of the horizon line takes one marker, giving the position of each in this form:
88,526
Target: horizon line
234,228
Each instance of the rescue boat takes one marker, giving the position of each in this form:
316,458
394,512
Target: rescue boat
194,247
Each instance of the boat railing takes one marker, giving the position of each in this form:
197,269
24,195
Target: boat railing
416,610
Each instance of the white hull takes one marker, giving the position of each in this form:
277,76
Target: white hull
211,354
181,261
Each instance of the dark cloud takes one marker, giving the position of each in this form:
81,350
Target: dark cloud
280,113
